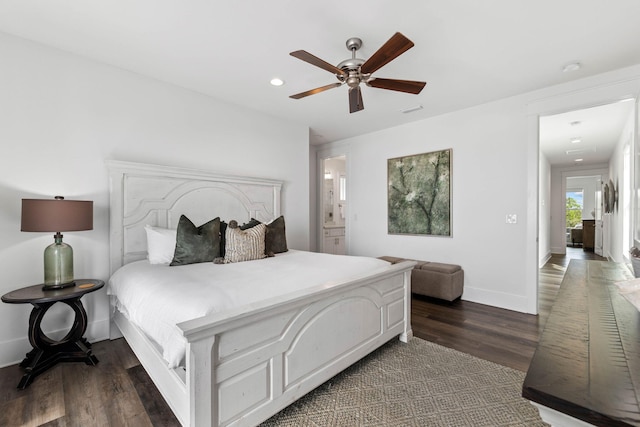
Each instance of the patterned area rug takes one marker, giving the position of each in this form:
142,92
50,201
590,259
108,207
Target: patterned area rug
417,384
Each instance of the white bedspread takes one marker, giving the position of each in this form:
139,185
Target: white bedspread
157,297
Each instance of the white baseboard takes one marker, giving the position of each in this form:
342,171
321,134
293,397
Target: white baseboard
496,299
544,260
13,351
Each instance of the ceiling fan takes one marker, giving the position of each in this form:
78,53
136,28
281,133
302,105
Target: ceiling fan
354,71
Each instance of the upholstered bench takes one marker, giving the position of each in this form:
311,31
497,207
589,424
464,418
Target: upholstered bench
434,279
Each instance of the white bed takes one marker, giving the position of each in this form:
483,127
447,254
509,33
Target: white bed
246,363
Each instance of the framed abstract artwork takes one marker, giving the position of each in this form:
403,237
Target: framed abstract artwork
419,194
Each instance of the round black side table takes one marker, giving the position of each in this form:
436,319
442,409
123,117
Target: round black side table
47,352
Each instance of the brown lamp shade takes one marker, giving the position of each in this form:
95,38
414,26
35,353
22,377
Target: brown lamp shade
56,215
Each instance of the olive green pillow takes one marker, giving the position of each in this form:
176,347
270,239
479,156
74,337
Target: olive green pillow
196,244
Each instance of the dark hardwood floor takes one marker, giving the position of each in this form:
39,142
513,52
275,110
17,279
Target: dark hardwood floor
502,336
115,392
118,392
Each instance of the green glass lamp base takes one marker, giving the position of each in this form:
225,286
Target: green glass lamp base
58,265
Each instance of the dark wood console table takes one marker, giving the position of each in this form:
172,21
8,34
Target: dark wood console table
587,363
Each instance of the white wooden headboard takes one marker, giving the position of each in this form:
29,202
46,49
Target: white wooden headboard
142,194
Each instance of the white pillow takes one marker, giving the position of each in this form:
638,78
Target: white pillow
161,244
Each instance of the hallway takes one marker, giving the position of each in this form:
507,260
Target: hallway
551,274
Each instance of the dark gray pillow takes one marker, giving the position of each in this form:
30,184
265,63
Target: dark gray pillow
223,239
196,244
250,224
275,241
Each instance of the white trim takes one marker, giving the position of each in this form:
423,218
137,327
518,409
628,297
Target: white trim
558,419
626,86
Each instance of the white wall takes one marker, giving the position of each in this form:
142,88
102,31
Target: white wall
495,172
488,178
61,116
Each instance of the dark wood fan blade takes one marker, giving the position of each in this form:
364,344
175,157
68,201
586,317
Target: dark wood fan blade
408,86
314,91
394,47
355,99
314,60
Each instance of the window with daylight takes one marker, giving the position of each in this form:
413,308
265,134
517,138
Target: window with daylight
574,202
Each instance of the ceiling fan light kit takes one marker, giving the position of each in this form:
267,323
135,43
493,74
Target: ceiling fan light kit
354,71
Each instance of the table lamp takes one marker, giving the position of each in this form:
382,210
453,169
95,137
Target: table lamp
56,215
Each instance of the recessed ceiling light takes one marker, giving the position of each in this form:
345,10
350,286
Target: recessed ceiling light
579,160
572,66
276,82
579,151
575,140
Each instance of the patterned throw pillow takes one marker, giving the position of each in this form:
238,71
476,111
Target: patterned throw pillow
244,245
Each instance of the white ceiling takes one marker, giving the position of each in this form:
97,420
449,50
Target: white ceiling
469,51
589,134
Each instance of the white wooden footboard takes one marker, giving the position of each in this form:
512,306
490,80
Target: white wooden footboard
243,368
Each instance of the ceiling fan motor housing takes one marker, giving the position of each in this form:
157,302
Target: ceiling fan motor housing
354,79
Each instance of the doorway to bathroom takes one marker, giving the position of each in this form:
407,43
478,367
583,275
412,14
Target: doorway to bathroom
334,205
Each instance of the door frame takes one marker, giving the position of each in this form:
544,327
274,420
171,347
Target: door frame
594,171
571,100
321,155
